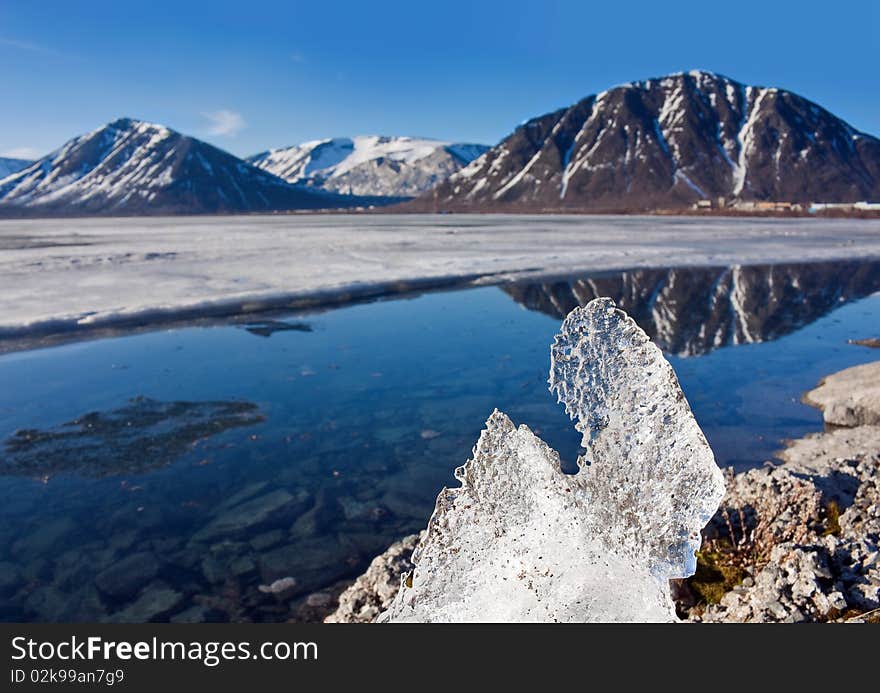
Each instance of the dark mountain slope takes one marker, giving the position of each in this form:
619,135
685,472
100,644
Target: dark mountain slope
665,143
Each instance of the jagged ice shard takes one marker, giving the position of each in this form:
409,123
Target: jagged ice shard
519,540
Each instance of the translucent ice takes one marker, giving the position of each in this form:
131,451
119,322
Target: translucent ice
521,541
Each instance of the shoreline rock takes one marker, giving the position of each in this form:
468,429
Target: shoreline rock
372,592
812,523
813,542
850,397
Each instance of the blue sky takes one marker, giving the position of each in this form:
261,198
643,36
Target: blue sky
247,76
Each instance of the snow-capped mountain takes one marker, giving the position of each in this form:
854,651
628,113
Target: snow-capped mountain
394,167
665,143
690,311
134,167
9,166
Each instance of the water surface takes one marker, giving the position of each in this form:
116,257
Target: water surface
169,474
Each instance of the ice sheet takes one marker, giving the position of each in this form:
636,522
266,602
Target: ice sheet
58,274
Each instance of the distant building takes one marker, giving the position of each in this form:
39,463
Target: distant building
766,206
862,206
717,203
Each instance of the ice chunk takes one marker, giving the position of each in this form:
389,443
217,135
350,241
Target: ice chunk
648,473
521,541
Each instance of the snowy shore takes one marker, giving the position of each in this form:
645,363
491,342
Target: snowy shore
59,276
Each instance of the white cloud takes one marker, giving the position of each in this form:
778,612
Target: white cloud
31,47
23,45
22,153
225,123
297,57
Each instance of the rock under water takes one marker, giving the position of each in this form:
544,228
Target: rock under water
143,435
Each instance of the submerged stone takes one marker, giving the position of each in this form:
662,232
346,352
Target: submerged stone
254,512
267,540
143,435
155,603
126,577
46,537
194,614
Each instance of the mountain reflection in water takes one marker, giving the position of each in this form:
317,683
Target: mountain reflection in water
692,311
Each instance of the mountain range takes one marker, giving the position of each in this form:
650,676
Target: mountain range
131,167
661,143
394,167
666,143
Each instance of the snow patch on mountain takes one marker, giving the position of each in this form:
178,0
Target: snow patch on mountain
370,165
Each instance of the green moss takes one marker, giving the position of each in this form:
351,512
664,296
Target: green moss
832,519
717,574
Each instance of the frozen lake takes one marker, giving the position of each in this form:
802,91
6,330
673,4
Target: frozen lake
58,276
167,474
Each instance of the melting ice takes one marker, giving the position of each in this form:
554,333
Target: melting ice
521,541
